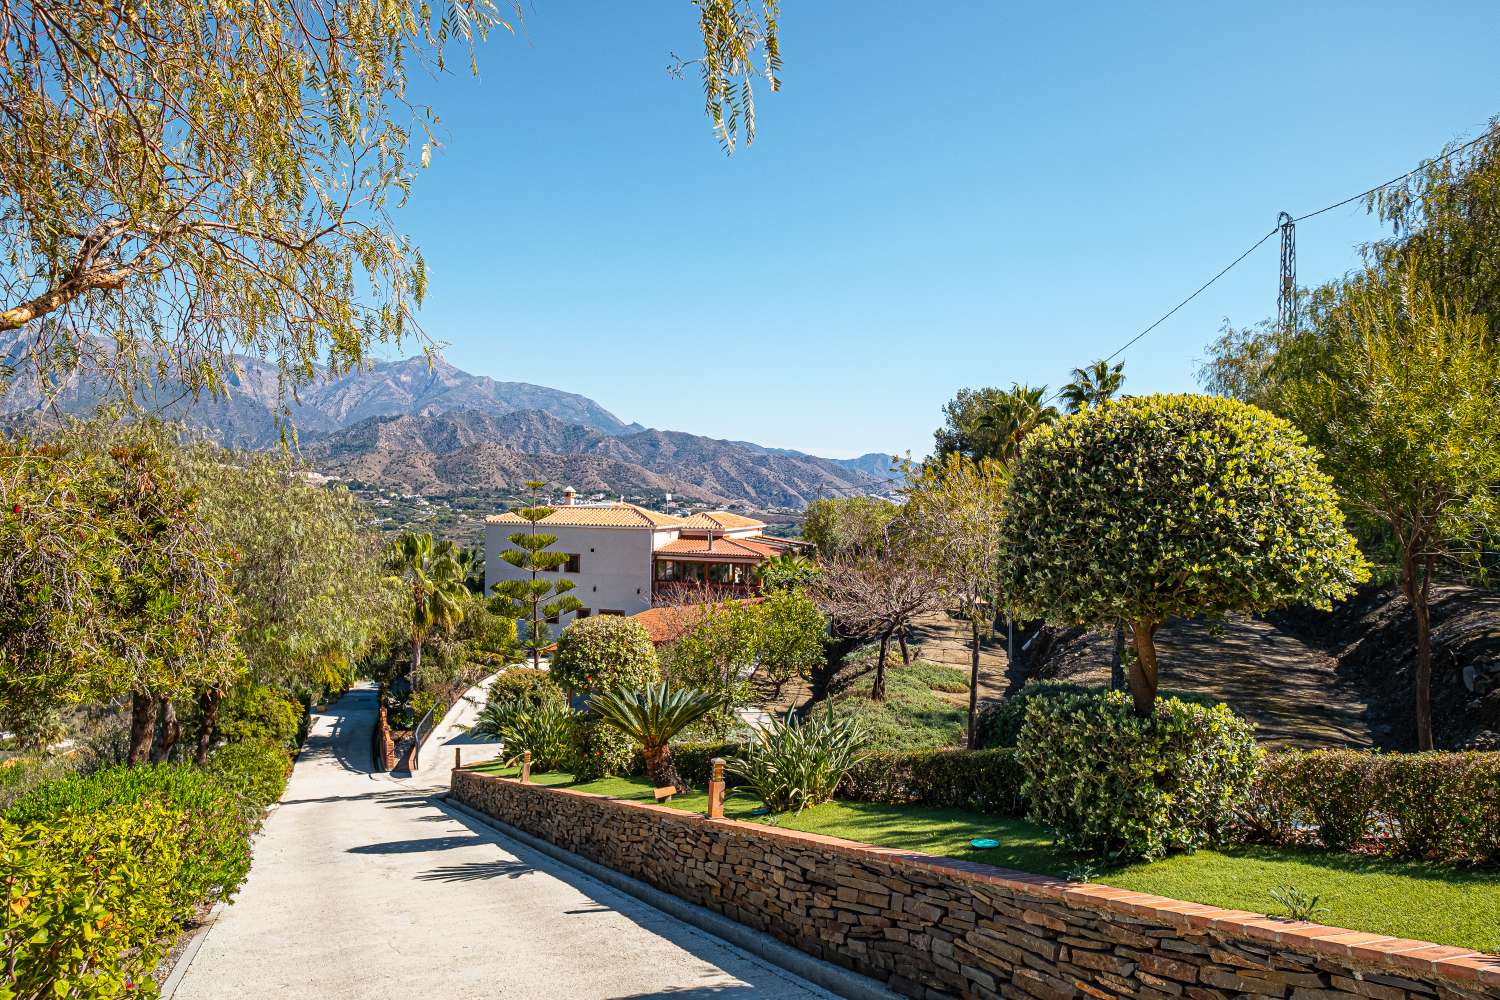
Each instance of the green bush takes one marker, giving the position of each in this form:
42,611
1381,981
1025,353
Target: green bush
999,723
1111,784
604,653
522,685
90,901
544,729
987,781
692,760
1434,806
793,765
255,770
598,750
257,712
216,822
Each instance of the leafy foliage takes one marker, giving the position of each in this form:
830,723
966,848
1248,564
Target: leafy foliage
999,725
1139,510
256,770
1434,806
434,584
794,764
544,728
787,571
604,652
985,781
1111,784
848,526
1098,383
524,686
215,822
598,750
651,717
991,423
718,644
90,901
790,637
260,713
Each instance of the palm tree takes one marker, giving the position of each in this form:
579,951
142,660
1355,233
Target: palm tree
652,717
1093,385
1018,412
436,583
785,571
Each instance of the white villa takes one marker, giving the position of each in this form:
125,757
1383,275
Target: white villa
623,559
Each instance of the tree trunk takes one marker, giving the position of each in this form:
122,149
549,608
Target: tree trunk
905,653
416,661
661,770
142,726
1117,661
1143,668
208,726
973,677
1417,594
877,692
167,732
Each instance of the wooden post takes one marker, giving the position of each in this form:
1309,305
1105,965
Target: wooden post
525,766
458,757
716,789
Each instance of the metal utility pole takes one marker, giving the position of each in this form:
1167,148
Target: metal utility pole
1286,302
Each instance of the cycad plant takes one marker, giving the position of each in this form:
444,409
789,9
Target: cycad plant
519,726
793,765
652,717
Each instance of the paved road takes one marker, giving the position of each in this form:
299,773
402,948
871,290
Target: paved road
362,887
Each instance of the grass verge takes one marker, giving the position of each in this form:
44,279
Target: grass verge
1453,906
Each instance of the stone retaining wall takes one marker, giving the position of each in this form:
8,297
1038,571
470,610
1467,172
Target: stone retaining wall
935,927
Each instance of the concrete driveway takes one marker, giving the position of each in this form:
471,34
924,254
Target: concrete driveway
362,887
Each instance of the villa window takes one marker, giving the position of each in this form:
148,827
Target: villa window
720,573
574,563
666,570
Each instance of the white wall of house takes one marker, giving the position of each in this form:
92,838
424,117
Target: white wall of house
614,564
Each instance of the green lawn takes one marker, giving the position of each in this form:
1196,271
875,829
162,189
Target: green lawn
915,714
1428,902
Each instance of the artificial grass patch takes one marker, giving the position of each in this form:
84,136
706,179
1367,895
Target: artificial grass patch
1453,906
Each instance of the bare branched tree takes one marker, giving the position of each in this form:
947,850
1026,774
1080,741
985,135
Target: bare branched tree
874,597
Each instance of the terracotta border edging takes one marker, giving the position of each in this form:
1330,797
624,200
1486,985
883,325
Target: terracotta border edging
1461,965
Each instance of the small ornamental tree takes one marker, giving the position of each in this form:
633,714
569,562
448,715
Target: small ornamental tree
604,653
536,600
792,635
1171,505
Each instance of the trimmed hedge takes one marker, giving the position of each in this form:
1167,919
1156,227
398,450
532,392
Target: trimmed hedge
1435,806
998,724
90,901
986,781
1111,784
255,770
216,825
692,760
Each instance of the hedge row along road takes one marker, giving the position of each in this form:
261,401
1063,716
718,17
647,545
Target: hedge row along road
362,885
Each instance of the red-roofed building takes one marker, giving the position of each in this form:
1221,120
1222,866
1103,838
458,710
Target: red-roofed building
625,559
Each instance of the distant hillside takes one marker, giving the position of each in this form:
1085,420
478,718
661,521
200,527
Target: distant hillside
435,429
468,450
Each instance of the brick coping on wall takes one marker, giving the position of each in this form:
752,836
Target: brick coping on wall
1458,965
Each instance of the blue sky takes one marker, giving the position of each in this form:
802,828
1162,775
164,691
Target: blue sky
940,197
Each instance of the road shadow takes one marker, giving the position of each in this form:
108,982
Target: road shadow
695,992
418,846
477,871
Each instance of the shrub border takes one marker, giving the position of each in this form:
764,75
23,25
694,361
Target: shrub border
1462,967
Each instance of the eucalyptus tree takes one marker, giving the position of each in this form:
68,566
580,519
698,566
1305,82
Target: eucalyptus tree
434,585
187,181
1407,416
535,599
954,506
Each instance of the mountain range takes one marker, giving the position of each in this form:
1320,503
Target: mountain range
427,427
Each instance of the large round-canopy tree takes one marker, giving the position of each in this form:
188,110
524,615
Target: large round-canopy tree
1172,505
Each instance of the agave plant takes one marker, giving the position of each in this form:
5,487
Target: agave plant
652,717
793,765
519,726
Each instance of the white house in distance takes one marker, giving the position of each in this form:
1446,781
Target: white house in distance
624,559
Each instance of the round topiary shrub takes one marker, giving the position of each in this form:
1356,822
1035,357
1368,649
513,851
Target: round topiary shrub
1113,785
999,723
523,686
598,750
1158,506
599,654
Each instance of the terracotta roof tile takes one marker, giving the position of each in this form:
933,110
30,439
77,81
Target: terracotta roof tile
722,520
741,549
668,624
615,515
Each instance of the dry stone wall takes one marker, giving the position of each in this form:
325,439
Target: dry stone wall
934,927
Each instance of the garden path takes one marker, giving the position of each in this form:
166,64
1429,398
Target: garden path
363,886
